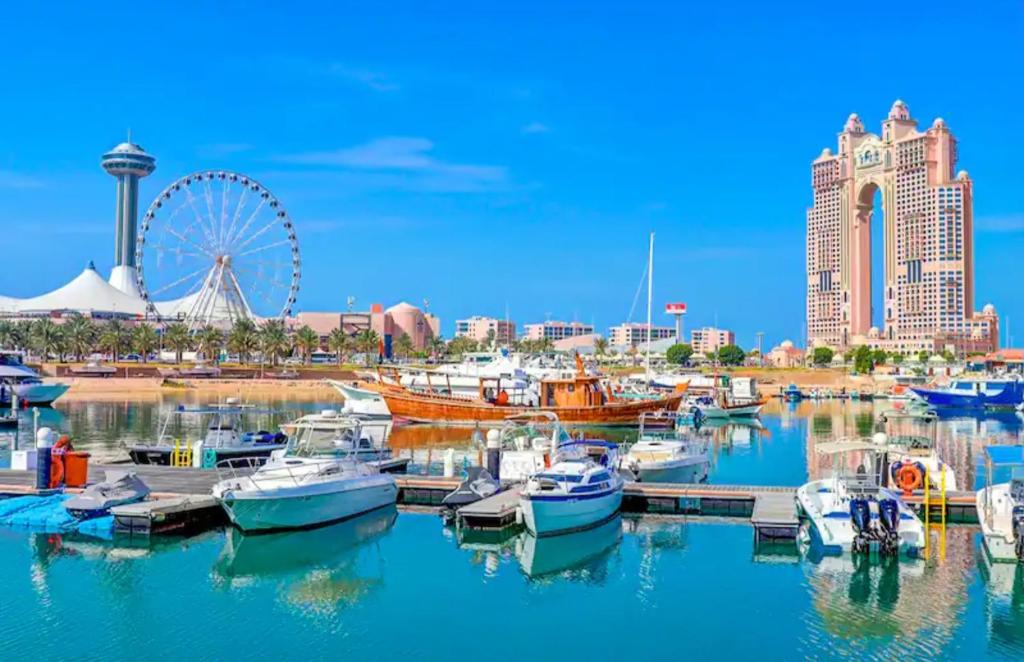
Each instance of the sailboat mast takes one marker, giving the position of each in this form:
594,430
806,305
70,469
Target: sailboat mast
650,285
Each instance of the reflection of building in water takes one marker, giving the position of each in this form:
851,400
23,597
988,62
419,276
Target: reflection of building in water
882,608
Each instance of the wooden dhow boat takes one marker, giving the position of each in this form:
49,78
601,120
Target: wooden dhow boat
579,400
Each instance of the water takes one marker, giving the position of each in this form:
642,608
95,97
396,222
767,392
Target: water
388,585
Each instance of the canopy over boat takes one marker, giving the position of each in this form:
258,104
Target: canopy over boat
1005,455
846,446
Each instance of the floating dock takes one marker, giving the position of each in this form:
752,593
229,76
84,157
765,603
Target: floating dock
495,512
180,515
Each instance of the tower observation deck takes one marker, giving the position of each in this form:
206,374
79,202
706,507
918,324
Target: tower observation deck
127,162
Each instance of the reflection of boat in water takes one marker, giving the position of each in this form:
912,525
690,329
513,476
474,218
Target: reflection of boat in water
582,555
1001,505
325,548
1005,601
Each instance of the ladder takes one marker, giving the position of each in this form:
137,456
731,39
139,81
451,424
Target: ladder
181,454
938,502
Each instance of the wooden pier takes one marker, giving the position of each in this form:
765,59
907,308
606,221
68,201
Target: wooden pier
775,517
495,512
178,514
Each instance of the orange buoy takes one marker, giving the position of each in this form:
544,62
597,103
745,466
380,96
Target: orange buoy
909,477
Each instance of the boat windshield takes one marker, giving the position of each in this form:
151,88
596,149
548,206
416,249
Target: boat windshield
10,360
336,440
526,436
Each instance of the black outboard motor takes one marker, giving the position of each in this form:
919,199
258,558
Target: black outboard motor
889,516
860,515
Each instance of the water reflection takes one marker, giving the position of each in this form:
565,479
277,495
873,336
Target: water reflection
319,569
581,556
1004,602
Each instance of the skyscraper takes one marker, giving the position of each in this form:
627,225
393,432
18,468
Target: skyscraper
927,297
128,162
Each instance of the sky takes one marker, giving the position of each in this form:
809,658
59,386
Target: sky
507,157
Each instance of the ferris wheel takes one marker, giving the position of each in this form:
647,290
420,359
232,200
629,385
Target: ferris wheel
216,247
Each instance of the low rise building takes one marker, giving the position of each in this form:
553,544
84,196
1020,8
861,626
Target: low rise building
709,339
480,328
631,334
786,355
553,330
389,325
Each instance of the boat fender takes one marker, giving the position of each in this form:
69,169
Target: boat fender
909,477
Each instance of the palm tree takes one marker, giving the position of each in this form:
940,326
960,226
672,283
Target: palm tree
178,338
438,346
209,341
22,334
114,337
307,341
273,340
144,340
7,334
403,346
491,337
600,346
340,343
80,333
367,342
243,339
46,338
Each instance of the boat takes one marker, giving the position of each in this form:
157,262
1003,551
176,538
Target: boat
223,439
8,419
118,488
570,495
1001,505
853,512
706,405
919,451
526,442
329,426
722,407
362,404
792,393
463,379
315,481
199,371
666,457
990,393
18,379
476,485
912,409
580,400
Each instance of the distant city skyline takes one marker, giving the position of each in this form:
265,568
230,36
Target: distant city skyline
496,159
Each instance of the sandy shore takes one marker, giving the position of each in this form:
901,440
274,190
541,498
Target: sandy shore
152,389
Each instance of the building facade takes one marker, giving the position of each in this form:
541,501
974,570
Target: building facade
557,330
631,334
389,325
927,302
709,339
477,328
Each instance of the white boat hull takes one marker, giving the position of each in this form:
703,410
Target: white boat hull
546,516
997,523
690,470
308,505
35,394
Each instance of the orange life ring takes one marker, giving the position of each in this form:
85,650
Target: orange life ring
909,477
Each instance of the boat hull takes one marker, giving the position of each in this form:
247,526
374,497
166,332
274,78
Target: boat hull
695,471
34,394
422,408
1011,394
996,528
554,515
309,505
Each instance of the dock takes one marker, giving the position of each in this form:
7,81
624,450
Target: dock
495,512
774,518
179,514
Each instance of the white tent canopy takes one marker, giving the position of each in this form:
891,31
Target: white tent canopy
86,293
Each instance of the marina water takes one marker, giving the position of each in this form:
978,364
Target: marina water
392,584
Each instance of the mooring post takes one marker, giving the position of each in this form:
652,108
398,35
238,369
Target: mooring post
494,454
44,442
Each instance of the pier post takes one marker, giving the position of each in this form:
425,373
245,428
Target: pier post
44,442
494,454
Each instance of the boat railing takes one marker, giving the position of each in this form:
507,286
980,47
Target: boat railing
294,474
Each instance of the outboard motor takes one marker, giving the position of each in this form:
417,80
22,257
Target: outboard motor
860,515
889,516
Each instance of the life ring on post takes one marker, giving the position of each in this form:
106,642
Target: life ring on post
57,453
909,477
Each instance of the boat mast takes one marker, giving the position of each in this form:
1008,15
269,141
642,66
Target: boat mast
650,281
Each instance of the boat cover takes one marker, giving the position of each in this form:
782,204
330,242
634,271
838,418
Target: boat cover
120,487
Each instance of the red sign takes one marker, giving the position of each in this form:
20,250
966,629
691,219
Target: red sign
675,308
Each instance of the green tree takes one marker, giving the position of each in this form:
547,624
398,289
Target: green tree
490,342
461,345
243,339
403,346
949,356
438,346
679,354
177,337
307,341
80,333
145,340
340,343
114,338
47,338
863,360
731,355
879,357
368,344
600,346
923,356
209,342
897,358
822,356
274,341
8,335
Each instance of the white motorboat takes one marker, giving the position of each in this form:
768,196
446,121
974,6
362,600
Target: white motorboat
919,451
367,436
315,481
526,442
1001,505
18,379
852,512
667,458
708,407
571,495
463,379
222,440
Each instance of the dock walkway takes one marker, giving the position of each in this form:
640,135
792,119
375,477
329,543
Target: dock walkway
495,512
774,517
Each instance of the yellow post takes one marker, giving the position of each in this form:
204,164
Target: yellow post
942,541
927,517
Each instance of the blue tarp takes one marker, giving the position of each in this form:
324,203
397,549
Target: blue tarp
1005,455
48,514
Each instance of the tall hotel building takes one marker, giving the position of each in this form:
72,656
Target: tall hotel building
928,251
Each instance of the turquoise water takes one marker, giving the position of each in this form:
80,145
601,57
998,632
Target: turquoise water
391,585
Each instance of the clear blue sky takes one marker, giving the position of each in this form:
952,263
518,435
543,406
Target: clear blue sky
485,155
